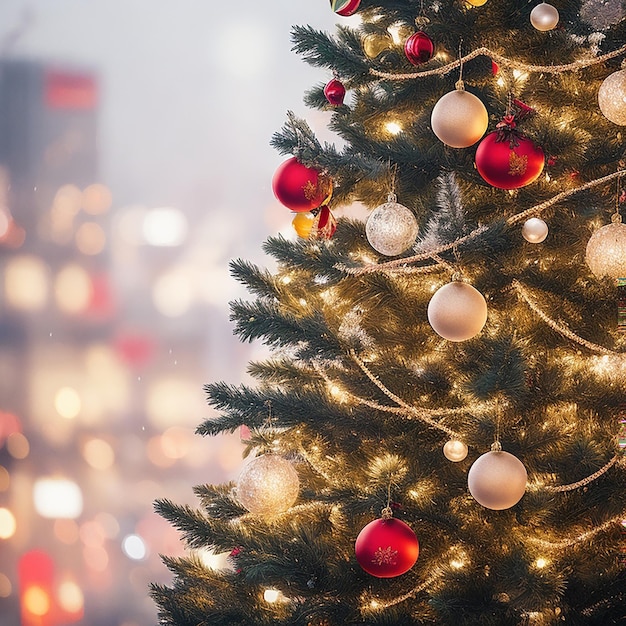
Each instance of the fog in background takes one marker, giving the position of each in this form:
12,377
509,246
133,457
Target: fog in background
189,94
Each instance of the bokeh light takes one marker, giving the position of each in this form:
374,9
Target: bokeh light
173,293
96,199
6,588
5,478
173,401
73,289
26,283
70,597
67,402
8,525
98,453
18,446
66,531
134,547
164,227
90,238
57,498
36,600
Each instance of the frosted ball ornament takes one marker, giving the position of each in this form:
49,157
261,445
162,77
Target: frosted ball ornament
612,97
268,485
391,228
455,450
606,250
459,119
535,230
497,479
457,311
544,17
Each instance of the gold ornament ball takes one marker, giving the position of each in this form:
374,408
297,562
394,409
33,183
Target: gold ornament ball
544,17
606,251
497,480
612,97
268,485
457,311
476,3
455,450
374,44
391,228
459,119
534,230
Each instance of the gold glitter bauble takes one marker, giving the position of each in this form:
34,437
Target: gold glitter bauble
612,97
268,485
606,251
476,3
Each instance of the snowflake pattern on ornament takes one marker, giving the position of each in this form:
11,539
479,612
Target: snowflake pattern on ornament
385,556
517,164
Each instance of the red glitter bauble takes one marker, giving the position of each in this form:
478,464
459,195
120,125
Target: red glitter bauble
386,548
345,7
419,48
509,167
335,92
301,188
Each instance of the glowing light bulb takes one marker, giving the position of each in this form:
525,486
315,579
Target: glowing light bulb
540,563
393,128
271,595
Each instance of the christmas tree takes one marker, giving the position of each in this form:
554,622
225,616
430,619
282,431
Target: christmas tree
437,437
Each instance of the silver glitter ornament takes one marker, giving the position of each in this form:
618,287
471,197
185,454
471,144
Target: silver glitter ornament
606,250
268,485
391,228
612,97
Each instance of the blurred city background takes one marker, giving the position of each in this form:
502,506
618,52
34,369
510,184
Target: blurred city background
134,164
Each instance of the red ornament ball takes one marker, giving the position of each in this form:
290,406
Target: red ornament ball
301,188
345,7
386,548
335,92
419,48
509,167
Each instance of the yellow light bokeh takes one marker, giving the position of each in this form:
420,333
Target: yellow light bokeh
36,601
73,289
67,402
99,454
90,238
26,283
66,531
8,525
71,597
172,293
5,478
175,442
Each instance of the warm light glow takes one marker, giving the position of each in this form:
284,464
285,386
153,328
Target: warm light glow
169,401
66,531
176,442
67,403
17,446
72,289
500,82
96,199
285,280
5,478
271,595
96,557
26,283
99,454
393,128
164,227
134,547
92,534
215,561
5,586
540,563
57,498
172,293
90,238
457,563
8,524
36,601
71,597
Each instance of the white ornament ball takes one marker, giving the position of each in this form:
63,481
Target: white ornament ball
455,450
457,311
459,119
544,17
391,228
497,480
606,251
534,230
612,97
268,485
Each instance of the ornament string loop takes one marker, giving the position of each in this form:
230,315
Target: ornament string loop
460,85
